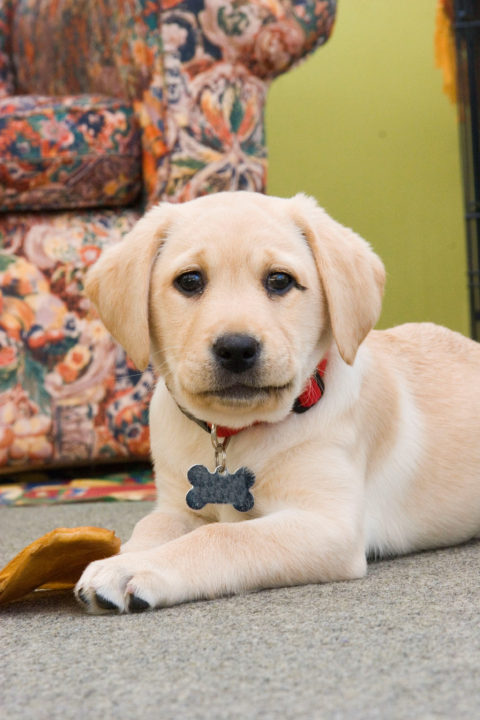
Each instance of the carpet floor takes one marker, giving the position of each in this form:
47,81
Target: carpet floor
402,643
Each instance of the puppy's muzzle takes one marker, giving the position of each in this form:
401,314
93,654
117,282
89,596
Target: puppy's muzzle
236,352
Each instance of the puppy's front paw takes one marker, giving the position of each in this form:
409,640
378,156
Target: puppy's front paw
124,583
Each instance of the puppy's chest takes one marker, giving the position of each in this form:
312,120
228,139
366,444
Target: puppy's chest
227,513
268,452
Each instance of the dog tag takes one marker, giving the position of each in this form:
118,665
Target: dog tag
220,487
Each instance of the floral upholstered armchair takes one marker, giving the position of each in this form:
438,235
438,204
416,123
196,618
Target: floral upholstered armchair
108,106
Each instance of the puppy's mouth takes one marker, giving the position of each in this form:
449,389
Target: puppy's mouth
239,393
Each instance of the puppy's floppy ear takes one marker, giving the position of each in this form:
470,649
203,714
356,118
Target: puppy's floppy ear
118,283
352,275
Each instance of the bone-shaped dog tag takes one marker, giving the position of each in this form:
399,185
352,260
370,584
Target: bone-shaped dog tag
220,487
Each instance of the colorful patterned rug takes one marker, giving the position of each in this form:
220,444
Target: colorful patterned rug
44,488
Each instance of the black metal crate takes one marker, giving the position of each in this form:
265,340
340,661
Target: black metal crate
467,35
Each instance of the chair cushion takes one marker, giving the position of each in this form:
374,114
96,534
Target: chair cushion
67,152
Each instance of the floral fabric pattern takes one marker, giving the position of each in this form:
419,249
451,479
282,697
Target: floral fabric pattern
176,85
6,70
216,135
68,391
108,47
65,152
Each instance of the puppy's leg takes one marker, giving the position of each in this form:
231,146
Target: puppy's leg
289,547
158,528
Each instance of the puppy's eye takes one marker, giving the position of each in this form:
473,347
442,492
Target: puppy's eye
190,283
279,283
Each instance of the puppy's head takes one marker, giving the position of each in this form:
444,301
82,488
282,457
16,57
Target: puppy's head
236,297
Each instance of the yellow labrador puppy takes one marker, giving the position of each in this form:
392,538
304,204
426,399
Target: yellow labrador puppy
290,441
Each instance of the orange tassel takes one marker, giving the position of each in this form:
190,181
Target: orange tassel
445,58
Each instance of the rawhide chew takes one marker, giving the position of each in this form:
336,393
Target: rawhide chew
55,560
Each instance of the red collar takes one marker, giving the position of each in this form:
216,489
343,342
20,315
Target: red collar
309,397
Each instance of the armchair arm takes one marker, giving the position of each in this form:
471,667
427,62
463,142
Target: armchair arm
218,64
268,36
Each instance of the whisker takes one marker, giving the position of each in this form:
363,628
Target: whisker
166,349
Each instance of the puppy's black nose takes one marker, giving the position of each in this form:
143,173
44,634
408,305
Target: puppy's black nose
236,352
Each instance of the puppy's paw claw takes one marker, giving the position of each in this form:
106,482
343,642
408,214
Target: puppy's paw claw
104,603
136,604
82,598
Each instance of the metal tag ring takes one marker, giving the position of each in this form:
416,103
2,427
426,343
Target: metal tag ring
220,447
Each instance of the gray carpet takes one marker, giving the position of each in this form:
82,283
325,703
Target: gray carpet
402,643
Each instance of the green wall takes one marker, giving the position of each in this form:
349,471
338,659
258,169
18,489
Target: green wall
363,125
